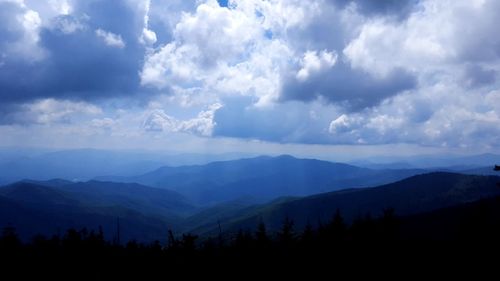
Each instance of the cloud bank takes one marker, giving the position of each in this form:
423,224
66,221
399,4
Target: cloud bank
315,72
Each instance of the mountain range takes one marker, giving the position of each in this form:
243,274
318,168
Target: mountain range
146,213
48,207
417,194
85,164
263,178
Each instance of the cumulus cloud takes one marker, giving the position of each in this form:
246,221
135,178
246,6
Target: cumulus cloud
148,36
77,60
229,50
19,31
455,78
354,89
50,111
110,39
103,123
344,123
322,71
313,63
61,6
418,45
67,24
243,52
398,9
158,121
432,117
203,124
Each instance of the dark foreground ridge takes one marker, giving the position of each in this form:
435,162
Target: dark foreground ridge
464,235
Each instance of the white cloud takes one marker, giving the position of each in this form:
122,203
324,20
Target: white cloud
103,123
314,62
62,7
200,54
68,25
49,111
441,115
217,33
159,121
236,50
343,123
23,25
110,39
456,65
201,125
49,9
436,36
148,36
211,36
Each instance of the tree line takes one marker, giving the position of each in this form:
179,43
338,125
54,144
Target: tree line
366,240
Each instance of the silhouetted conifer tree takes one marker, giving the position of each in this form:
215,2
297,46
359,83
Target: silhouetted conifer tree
9,242
338,227
363,229
261,236
388,224
497,168
173,243
188,242
308,234
308,240
132,246
243,240
286,235
72,240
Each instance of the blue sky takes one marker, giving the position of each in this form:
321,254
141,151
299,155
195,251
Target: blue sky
276,75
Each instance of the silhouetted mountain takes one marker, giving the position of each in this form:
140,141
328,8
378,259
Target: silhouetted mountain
473,221
263,178
145,213
414,195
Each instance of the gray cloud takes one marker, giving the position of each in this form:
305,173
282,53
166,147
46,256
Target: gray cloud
397,77
478,76
353,88
325,32
165,14
342,84
293,122
79,65
10,31
399,9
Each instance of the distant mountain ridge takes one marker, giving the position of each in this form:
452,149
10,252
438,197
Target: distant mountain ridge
263,178
440,162
85,164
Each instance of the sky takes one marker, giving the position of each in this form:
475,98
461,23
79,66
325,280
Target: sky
325,76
